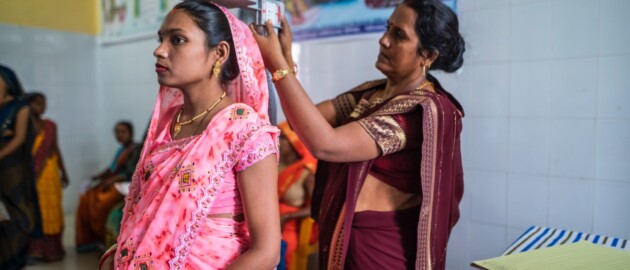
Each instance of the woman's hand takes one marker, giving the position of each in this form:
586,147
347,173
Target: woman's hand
109,182
7,133
286,41
108,263
270,48
19,134
283,220
107,260
64,181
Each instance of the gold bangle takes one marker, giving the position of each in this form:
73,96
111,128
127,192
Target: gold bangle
279,74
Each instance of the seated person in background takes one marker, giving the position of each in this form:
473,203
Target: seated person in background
98,201
295,187
112,224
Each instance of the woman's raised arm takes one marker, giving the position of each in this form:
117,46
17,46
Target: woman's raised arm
313,124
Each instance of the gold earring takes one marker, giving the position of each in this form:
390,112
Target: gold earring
424,69
217,68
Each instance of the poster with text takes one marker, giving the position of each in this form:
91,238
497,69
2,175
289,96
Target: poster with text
317,19
123,19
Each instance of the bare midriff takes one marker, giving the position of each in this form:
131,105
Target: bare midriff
375,195
234,216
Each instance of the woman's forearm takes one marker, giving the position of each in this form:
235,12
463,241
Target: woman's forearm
258,188
21,128
107,260
13,145
62,166
257,259
302,213
60,162
103,174
305,118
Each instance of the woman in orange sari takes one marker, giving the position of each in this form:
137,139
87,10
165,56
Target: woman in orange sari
48,165
96,203
295,187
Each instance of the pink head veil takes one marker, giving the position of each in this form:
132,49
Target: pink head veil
249,87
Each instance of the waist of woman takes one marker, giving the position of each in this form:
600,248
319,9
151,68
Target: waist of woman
378,195
238,217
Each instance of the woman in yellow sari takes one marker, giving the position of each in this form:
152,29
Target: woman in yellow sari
51,177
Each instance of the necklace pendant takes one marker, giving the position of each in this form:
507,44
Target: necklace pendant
176,129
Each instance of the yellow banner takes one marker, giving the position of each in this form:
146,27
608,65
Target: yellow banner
81,16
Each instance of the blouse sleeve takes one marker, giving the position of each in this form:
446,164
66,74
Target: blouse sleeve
393,133
262,143
344,104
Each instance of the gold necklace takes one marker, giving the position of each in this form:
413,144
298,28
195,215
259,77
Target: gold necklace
380,96
425,84
178,125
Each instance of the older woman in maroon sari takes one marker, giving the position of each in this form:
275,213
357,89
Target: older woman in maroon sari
390,179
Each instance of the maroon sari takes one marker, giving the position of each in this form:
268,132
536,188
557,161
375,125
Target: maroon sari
441,177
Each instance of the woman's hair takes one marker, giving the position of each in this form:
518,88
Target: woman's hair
437,27
128,125
30,97
14,87
215,25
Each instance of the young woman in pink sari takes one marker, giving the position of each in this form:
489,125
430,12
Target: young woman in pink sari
205,188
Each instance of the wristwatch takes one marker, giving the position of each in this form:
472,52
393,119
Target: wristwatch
279,75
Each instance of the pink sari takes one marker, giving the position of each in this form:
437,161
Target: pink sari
178,183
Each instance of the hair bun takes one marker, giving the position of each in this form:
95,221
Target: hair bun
437,27
454,59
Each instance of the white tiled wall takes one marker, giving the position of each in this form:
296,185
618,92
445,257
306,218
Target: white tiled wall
129,83
89,88
568,149
528,200
63,66
544,86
